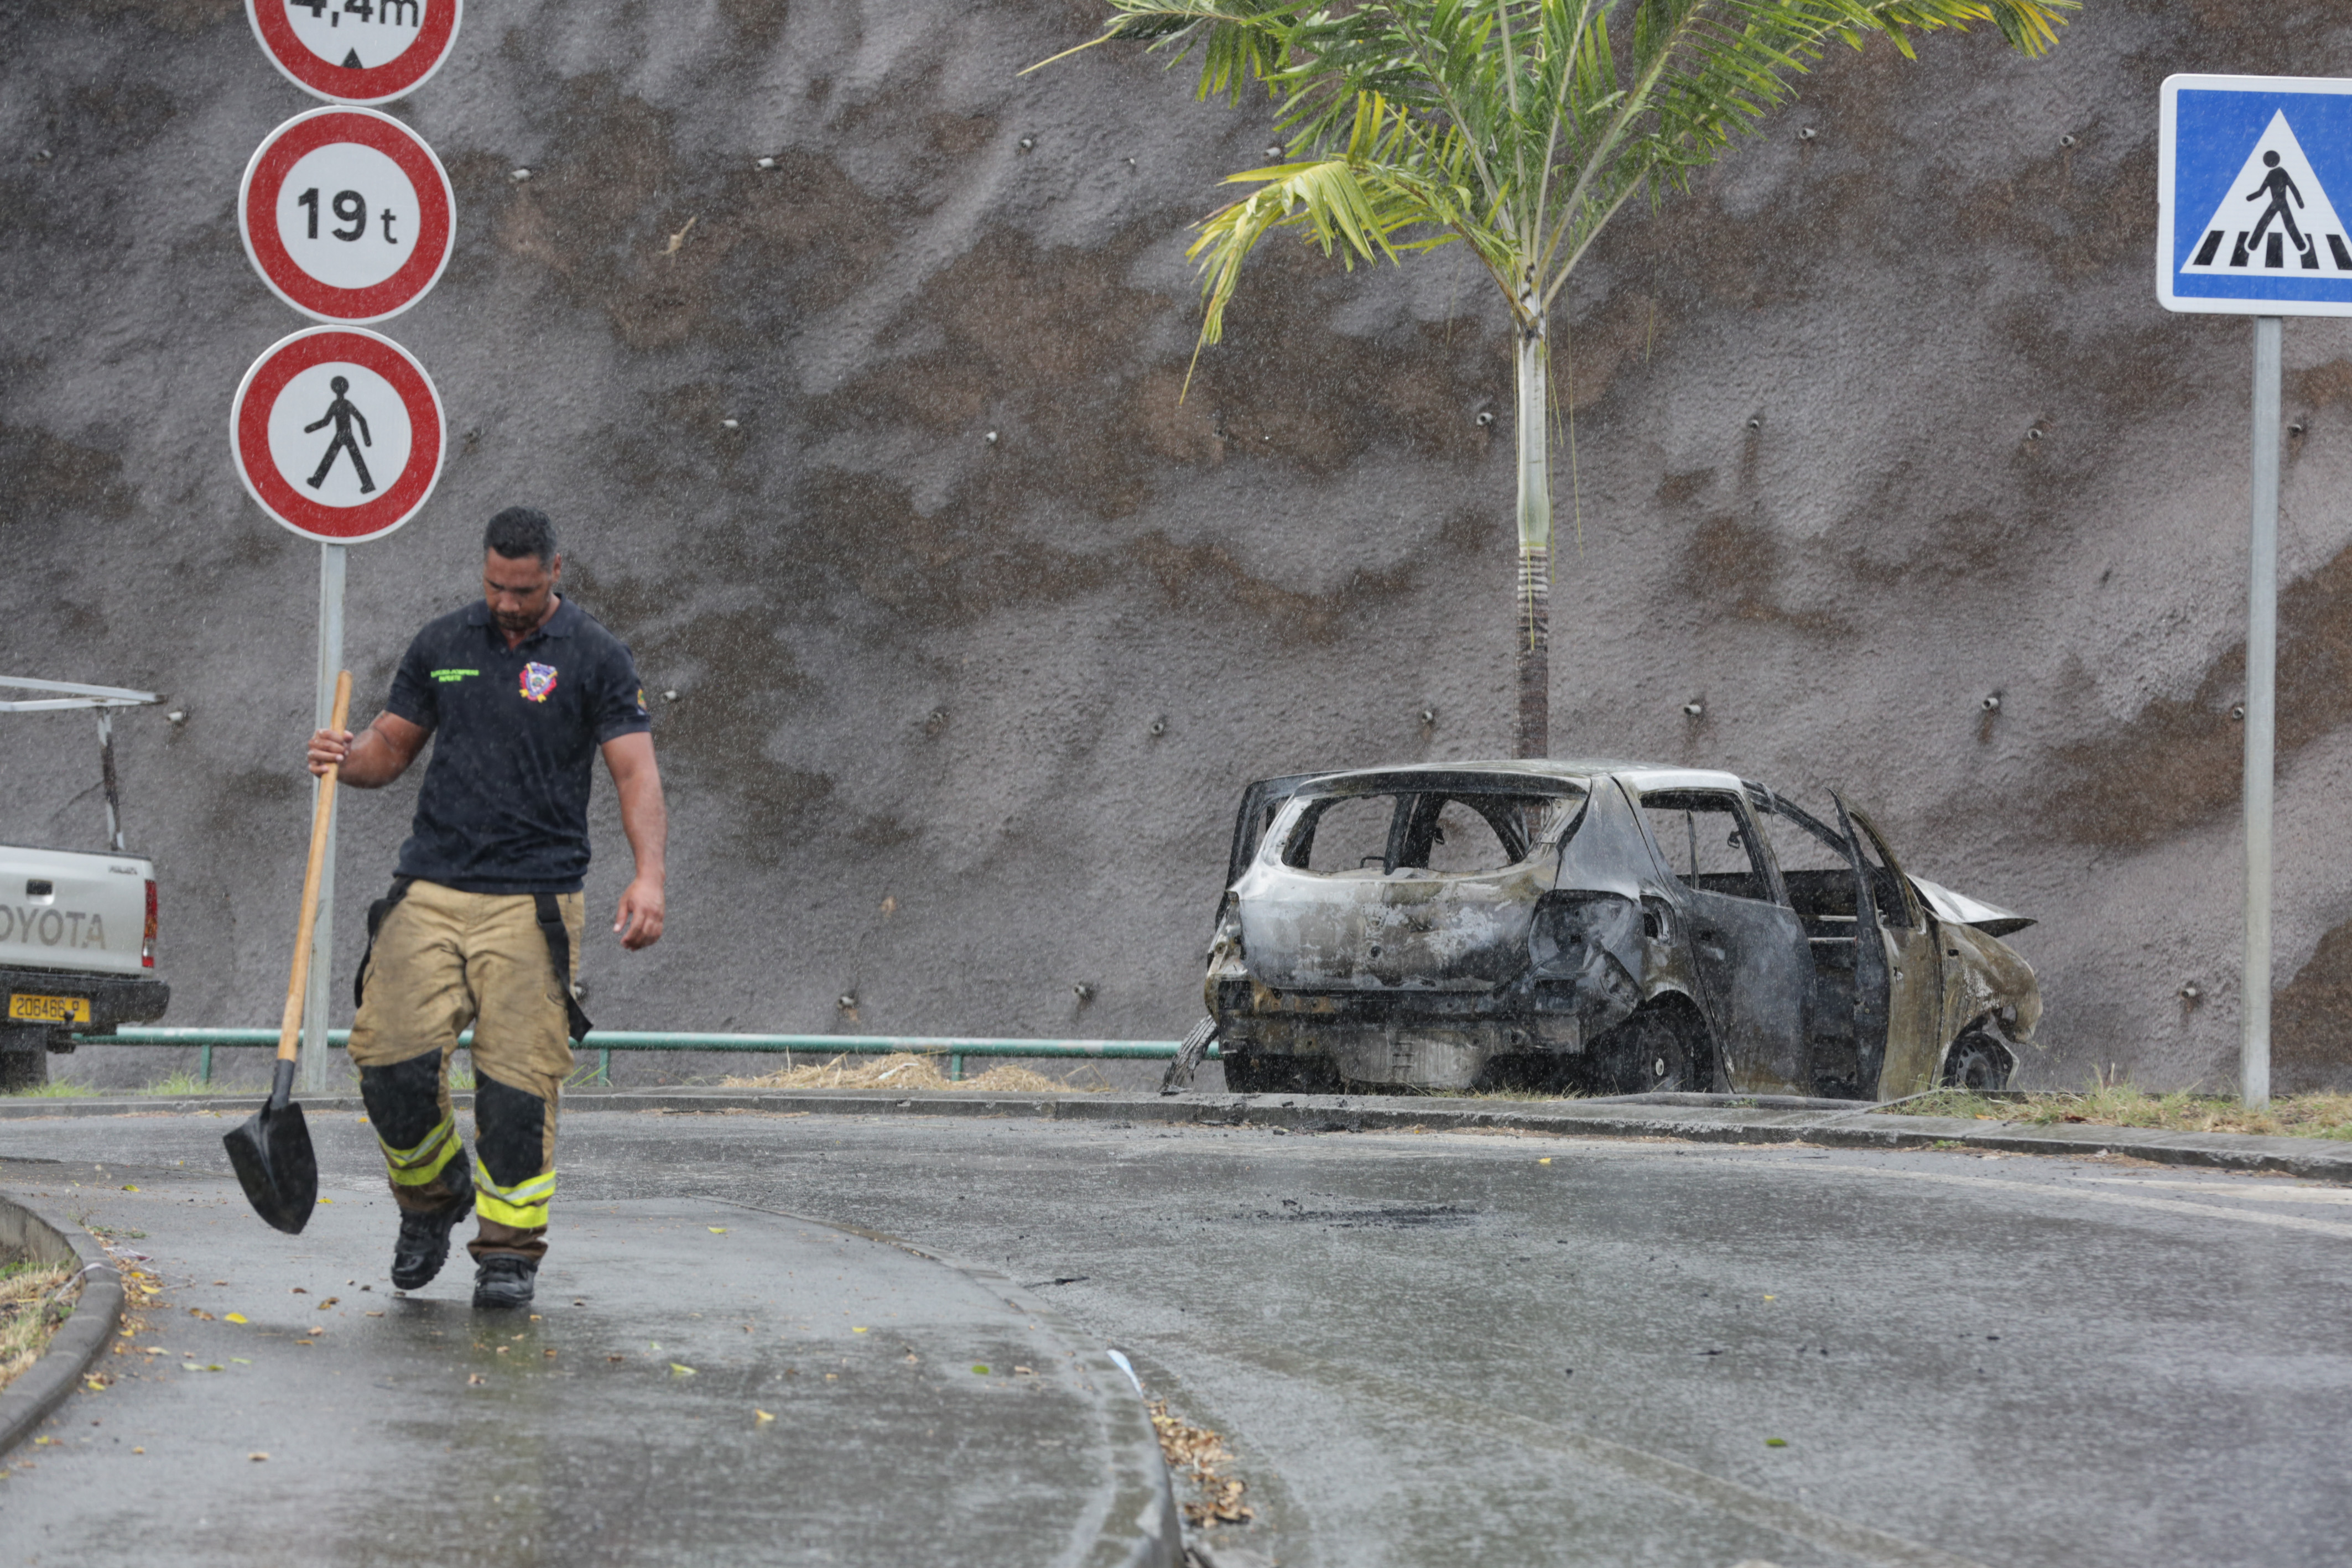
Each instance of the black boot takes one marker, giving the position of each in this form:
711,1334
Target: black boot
503,1281
424,1244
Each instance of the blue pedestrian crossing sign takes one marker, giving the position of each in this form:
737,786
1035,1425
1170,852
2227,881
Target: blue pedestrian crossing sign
2247,171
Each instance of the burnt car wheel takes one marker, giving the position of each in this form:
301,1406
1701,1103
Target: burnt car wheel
1659,1049
1976,1062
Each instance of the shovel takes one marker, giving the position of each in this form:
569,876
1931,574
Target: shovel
272,1153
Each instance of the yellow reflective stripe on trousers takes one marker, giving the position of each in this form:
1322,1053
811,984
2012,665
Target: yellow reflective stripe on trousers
414,1167
522,1206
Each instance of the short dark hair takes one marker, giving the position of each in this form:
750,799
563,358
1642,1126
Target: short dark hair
519,531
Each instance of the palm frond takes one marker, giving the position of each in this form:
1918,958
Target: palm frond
1385,194
1520,127
1238,42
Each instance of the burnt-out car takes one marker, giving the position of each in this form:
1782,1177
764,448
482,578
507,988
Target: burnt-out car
1608,927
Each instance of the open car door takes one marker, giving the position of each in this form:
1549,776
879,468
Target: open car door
1913,971
1862,929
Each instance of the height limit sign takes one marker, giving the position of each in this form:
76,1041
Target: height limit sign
355,52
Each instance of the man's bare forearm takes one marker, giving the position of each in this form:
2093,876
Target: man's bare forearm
371,763
638,780
371,758
644,817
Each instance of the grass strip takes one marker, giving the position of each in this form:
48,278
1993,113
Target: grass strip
55,1088
34,1298
2322,1115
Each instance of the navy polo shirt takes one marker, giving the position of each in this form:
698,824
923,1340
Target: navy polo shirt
515,731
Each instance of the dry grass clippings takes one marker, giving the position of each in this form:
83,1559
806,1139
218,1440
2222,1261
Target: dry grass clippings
906,1069
34,1298
2320,1115
1196,1453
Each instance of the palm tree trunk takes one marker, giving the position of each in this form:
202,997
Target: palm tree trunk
1532,736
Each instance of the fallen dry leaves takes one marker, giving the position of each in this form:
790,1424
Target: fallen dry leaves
1196,1452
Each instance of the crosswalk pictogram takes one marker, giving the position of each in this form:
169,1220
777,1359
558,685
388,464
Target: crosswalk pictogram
2276,218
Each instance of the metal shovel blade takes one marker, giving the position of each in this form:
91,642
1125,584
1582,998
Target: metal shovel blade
275,1163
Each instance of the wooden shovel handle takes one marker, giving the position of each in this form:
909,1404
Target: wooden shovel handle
323,814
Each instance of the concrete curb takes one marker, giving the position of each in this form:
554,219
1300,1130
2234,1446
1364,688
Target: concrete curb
80,1340
1145,1495
1697,1118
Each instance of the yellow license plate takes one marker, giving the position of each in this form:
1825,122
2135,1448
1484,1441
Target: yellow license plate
49,1009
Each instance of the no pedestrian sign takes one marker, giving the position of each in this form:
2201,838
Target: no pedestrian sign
355,52
347,215
337,433
2248,172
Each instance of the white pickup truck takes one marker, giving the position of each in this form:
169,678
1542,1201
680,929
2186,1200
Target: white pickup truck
76,929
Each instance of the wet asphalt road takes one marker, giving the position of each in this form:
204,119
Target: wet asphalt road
1440,1349
825,1398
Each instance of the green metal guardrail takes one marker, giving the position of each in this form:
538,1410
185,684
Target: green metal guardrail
608,1041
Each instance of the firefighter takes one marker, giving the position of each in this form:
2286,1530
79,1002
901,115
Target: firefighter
484,922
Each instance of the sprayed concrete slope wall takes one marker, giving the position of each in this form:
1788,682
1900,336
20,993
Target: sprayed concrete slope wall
1872,424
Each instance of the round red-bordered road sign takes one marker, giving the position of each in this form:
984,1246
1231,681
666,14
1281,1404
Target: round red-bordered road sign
347,215
337,432
356,51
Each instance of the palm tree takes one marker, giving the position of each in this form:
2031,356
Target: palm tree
1518,127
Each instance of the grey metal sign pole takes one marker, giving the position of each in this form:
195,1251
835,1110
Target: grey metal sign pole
2254,178
315,999
2262,718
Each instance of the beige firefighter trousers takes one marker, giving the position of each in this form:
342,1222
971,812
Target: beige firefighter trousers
443,960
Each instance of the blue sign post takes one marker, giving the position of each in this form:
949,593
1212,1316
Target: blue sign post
2247,171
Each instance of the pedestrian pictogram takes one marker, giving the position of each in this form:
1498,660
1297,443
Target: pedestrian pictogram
337,433
2276,217
2248,168
347,215
342,414
356,51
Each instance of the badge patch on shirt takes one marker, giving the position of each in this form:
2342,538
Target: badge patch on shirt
537,680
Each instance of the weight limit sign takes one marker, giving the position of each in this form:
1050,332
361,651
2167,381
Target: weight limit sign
355,52
337,433
347,215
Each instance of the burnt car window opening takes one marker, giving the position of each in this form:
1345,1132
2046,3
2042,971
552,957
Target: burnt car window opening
1815,870
1819,872
1344,837
1470,834
1443,832
1463,843
1705,838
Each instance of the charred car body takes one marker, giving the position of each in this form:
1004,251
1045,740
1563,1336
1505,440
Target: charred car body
1607,926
